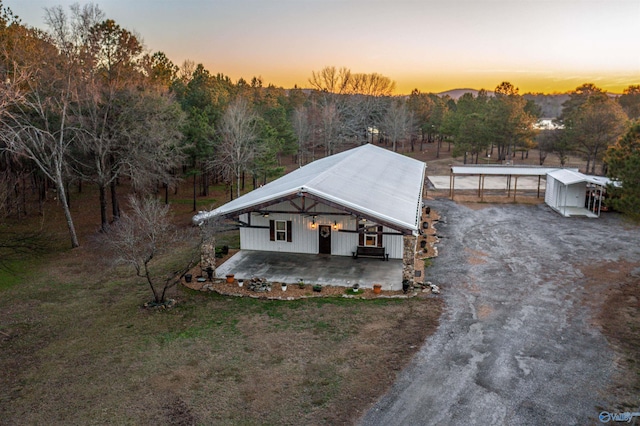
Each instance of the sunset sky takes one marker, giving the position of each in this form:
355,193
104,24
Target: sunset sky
537,45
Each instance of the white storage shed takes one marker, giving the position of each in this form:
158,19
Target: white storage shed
566,193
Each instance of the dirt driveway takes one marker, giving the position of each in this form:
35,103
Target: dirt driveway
517,343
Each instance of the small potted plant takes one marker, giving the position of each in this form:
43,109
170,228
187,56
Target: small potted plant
230,278
317,288
284,286
301,283
240,282
377,288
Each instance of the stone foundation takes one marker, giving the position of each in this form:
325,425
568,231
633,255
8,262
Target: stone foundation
409,257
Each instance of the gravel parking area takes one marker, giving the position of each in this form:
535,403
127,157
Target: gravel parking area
517,343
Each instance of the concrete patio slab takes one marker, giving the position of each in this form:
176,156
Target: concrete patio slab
314,269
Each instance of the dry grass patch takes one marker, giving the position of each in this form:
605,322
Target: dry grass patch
617,314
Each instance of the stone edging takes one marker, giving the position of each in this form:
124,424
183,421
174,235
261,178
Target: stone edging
289,298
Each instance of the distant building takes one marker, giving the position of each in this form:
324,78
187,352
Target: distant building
547,124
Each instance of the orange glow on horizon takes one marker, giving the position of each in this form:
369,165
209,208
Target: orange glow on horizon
436,83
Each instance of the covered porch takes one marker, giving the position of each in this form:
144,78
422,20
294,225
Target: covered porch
313,269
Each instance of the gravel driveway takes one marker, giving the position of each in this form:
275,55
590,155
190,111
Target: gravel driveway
515,345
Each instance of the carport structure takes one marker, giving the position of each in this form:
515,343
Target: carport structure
511,173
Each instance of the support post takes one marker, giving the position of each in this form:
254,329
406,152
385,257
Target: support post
409,257
452,184
207,251
600,200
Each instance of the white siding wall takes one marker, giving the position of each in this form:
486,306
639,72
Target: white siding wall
258,238
558,195
550,192
393,244
305,239
576,194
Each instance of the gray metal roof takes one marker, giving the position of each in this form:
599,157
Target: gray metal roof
498,169
370,180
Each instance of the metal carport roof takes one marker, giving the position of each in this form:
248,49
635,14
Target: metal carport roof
500,170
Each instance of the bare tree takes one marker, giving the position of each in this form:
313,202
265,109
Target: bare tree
141,238
239,134
342,81
398,122
362,115
111,72
371,84
185,72
330,124
70,32
331,80
302,130
545,139
36,94
35,122
128,123
356,100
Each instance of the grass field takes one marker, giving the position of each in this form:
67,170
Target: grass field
77,348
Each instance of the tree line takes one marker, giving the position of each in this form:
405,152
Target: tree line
85,102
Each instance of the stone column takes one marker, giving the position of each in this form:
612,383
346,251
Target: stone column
409,257
207,254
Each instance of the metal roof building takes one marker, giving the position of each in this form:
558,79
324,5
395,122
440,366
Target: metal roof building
369,182
364,202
